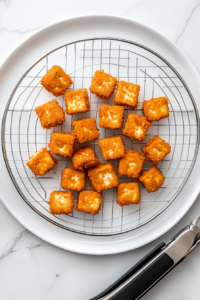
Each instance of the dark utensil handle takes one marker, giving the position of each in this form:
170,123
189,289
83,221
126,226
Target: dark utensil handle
131,271
145,279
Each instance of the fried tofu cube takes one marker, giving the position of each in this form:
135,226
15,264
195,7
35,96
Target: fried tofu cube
50,114
89,202
128,193
77,101
56,81
136,127
41,162
103,85
156,109
127,94
73,179
85,130
156,150
61,203
131,164
62,143
103,177
152,179
85,157
111,116
112,147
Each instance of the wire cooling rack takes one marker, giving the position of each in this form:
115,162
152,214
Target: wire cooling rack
22,134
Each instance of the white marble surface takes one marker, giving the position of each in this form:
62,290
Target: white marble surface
29,267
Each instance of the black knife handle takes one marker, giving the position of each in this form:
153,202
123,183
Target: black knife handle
145,279
131,271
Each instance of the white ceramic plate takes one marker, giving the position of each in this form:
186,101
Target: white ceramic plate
27,54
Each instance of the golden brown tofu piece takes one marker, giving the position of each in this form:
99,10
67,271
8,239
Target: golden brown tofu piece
62,143
152,179
56,81
127,94
136,127
128,193
50,114
77,101
156,150
61,203
112,147
73,179
85,130
41,162
103,177
131,164
103,85
89,202
84,157
156,109
111,116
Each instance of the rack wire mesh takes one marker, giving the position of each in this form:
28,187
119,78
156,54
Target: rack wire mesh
22,134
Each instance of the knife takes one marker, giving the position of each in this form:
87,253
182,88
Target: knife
154,266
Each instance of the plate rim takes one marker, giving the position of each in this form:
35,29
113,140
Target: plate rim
85,17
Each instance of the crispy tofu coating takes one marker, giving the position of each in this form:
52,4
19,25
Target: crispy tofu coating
77,101
85,157
131,164
156,109
128,193
127,94
156,150
136,127
41,162
112,147
152,179
89,202
103,85
103,177
111,116
61,203
62,143
50,114
56,81
73,179
85,130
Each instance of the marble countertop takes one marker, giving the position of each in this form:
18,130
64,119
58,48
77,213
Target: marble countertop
33,269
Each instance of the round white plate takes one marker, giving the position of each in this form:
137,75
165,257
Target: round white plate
27,54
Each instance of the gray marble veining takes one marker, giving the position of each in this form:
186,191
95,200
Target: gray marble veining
187,21
33,269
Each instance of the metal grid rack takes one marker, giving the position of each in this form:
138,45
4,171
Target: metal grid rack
23,135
